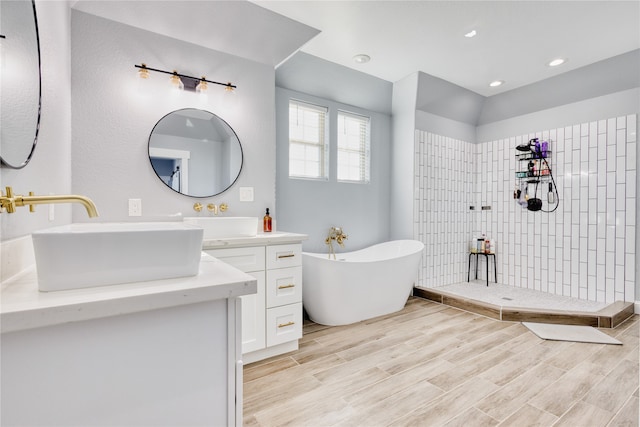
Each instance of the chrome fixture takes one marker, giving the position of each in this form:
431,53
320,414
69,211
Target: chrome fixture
335,233
182,81
10,202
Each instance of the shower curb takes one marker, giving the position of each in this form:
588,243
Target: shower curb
609,317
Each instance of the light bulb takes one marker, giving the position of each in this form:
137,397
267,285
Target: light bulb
202,86
175,81
143,73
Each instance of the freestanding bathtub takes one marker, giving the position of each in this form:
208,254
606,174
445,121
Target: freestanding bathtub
359,285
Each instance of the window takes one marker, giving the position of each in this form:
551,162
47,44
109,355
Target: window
307,142
353,147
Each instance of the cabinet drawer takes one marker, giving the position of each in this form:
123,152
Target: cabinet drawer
284,324
281,256
284,286
244,259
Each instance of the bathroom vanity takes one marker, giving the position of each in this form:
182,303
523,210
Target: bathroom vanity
161,352
271,318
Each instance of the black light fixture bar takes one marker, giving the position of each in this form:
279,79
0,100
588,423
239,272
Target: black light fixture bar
173,73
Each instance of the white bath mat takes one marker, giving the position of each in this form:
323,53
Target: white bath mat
548,331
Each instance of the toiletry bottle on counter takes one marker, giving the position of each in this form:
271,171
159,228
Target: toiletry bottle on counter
266,222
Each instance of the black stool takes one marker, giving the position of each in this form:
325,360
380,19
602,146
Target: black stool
495,269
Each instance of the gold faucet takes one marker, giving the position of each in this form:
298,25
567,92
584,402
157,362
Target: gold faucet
335,233
215,208
10,202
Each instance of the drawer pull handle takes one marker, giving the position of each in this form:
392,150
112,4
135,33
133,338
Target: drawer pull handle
290,285
284,325
286,256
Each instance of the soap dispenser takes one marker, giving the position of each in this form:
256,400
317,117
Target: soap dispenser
266,222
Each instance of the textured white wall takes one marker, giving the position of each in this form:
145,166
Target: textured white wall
49,170
113,116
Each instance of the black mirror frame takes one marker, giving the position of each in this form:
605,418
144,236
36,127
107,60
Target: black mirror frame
3,162
222,120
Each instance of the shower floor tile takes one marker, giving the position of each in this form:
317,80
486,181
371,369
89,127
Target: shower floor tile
514,304
514,297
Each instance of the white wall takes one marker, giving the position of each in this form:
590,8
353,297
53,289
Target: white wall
49,170
445,175
113,117
586,249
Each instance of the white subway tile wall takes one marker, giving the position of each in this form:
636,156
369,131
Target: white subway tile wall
584,249
444,188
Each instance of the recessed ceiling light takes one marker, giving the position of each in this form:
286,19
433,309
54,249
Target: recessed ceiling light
362,58
556,62
471,33
496,83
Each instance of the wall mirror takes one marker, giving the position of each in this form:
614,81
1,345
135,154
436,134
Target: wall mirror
195,153
20,81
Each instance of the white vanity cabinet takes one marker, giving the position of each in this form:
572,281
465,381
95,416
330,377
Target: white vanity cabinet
155,353
271,318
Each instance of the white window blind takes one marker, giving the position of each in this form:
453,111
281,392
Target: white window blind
307,140
353,147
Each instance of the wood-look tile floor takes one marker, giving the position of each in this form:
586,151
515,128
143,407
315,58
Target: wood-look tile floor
433,365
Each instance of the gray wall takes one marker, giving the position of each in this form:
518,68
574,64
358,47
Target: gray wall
313,207
612,75
49,171
314,76
402,157
113,115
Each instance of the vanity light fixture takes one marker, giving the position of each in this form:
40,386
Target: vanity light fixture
143,72
176,82
182,81
202,86
556,62
496,83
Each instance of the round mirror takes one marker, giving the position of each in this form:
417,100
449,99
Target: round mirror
195,152
20,82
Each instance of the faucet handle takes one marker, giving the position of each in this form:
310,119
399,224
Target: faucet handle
32,208
223,207
8,202
197,207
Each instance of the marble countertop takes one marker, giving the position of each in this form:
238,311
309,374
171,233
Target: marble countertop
22,306
261,239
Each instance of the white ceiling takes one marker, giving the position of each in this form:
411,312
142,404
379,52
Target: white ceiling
515,40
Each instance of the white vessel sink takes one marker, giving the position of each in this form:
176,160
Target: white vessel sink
85,255
223,227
